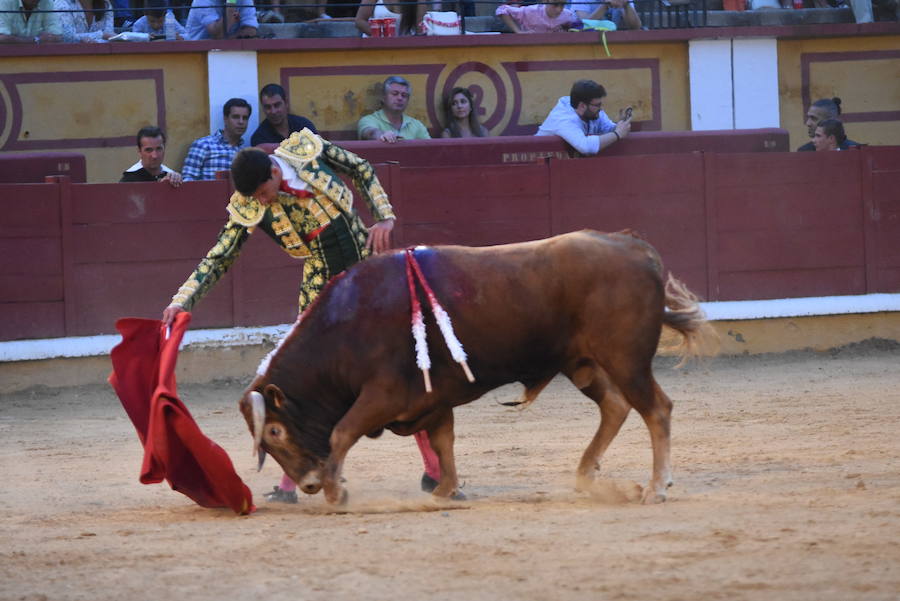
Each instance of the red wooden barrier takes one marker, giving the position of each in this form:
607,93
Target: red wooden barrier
734,226
527,149
33,167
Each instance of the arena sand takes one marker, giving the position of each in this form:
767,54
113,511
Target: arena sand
787,486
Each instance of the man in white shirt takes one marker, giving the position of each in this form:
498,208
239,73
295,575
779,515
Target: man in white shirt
579,119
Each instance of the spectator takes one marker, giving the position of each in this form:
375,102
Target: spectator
408,19
214,153
274,14
279,123
208,20
151,145
546,17
82,24
461,116
829,135
390,123
579,120
29,22
820,110
154,20
620,12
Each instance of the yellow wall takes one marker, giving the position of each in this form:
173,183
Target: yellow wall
335,101
856,70
68,98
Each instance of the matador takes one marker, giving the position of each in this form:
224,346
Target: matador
296,197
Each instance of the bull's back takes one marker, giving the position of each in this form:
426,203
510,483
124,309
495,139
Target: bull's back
535,304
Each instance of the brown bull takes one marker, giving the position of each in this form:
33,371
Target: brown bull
587,305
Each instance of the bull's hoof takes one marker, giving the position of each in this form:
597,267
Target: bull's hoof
652,497
338,499
457,495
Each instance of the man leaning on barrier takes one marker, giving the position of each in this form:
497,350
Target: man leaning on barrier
579,119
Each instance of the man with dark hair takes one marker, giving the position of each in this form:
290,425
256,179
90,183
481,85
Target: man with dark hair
151,145
391,123
580,121
821,110
213,153
279,123
296,197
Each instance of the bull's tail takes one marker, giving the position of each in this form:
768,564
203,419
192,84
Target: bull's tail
684,315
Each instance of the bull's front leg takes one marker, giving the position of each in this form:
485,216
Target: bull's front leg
372,410
442,437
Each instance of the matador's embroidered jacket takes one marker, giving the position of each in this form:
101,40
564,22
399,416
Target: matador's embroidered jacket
295,219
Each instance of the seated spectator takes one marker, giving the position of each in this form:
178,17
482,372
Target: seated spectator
620,12
274,14
461,116
85,21
829,135
154,21
390,123
820,110
214,153
151,145
579,120
537,18
29,22
207,20
408,19
279,123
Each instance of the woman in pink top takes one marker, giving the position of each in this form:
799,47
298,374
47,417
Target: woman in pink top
537,18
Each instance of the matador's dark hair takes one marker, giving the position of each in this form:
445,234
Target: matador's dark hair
250,168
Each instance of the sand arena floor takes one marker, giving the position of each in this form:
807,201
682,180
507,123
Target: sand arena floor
787,486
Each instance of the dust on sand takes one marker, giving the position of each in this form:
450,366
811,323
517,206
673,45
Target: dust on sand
787,486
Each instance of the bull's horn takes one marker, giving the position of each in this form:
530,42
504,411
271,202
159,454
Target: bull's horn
258,403
262,458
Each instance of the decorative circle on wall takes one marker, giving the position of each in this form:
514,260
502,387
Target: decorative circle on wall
487,87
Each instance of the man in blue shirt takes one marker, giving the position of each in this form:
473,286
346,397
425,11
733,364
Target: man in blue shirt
208,20
214,153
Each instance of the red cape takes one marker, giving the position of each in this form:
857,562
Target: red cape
174,447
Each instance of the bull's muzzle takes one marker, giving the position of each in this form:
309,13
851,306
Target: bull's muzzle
258,405
311,483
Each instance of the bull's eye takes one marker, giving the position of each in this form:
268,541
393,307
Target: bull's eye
275,431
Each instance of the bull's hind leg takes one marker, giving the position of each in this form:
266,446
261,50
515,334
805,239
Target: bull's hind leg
442,437
655,407
613,411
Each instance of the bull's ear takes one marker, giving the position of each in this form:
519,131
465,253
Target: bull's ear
274,393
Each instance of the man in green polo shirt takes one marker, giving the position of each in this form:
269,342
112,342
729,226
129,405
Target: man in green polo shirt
390,123
29,22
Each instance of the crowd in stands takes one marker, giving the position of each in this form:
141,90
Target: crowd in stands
42,21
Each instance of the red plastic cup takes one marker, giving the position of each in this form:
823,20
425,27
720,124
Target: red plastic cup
389,27
377,28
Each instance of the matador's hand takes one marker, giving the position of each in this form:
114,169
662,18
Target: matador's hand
379,239
168,316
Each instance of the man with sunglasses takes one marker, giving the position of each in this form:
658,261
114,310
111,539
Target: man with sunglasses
579,119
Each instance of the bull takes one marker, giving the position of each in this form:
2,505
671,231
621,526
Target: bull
588,305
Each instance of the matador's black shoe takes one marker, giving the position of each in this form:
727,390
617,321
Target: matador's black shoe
428,483
279,495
